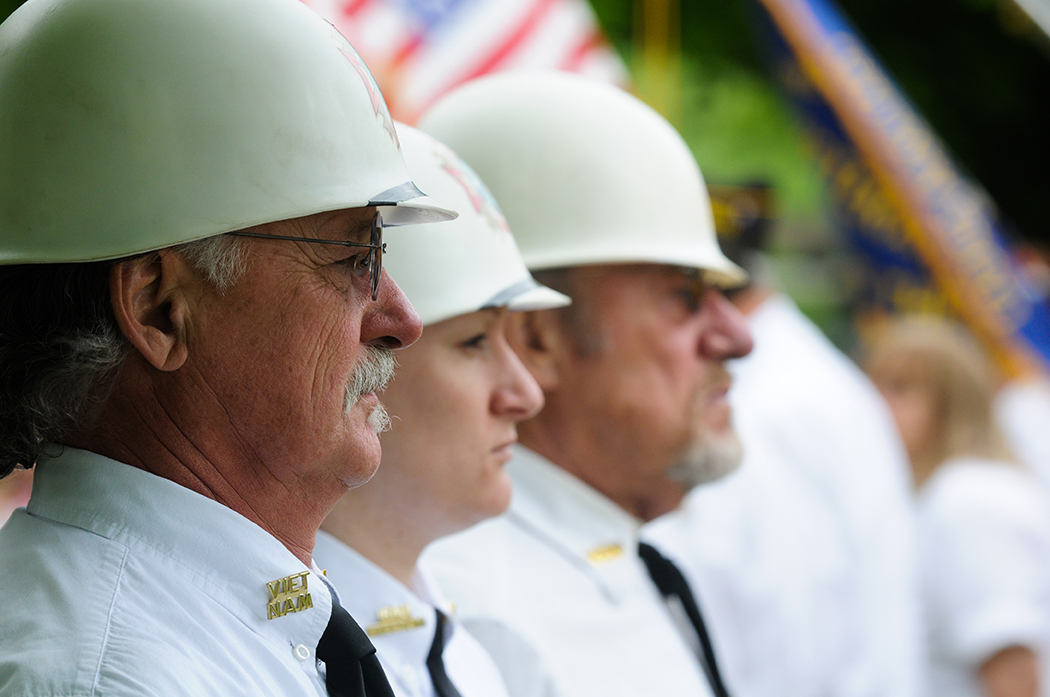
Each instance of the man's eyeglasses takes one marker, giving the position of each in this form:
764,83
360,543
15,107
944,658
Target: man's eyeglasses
375,255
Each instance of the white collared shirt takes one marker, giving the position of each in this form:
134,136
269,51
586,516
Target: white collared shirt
118,582
556,586
985,541
1022,409
401,624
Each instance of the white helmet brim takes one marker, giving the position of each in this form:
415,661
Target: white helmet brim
527,295
407,205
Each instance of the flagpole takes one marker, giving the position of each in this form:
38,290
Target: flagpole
946,219
657,59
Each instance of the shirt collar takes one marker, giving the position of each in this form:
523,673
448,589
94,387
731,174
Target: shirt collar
399,622
575,519
225,555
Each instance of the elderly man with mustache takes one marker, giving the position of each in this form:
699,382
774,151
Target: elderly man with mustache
194,322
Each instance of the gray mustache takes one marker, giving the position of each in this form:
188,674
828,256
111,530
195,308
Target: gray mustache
373,374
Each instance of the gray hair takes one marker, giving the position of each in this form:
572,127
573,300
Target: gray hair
61,349
222,259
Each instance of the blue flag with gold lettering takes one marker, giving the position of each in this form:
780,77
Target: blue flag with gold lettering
930,237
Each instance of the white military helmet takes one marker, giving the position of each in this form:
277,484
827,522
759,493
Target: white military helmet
585,173
469,264
132,125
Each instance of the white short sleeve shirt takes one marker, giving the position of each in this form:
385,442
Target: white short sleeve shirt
985,542
129,584
1022,409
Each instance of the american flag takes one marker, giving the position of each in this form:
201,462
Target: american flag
420,49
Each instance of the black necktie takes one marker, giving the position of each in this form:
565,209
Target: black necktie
670,582
442,685
352,669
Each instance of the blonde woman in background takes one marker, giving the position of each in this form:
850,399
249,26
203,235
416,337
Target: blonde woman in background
984,521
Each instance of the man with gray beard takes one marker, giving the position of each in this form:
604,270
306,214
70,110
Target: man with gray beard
608,207
194,322
807,554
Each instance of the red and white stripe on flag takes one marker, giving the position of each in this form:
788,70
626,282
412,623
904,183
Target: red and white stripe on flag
420,49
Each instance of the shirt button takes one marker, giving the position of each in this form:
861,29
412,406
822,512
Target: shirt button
301,652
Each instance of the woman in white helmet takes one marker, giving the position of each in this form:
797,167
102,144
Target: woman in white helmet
458,395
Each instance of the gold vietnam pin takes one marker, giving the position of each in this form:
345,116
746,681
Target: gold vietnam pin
287,595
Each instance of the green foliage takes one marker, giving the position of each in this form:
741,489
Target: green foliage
976,69
739,129
730,114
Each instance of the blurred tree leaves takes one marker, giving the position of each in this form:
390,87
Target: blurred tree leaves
734,120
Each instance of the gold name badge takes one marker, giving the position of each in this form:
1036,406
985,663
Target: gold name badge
604,553
394,619
288,595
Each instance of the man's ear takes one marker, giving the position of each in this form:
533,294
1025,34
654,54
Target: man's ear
538,339
149,296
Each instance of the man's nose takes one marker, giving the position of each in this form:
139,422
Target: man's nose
391,321
725,334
